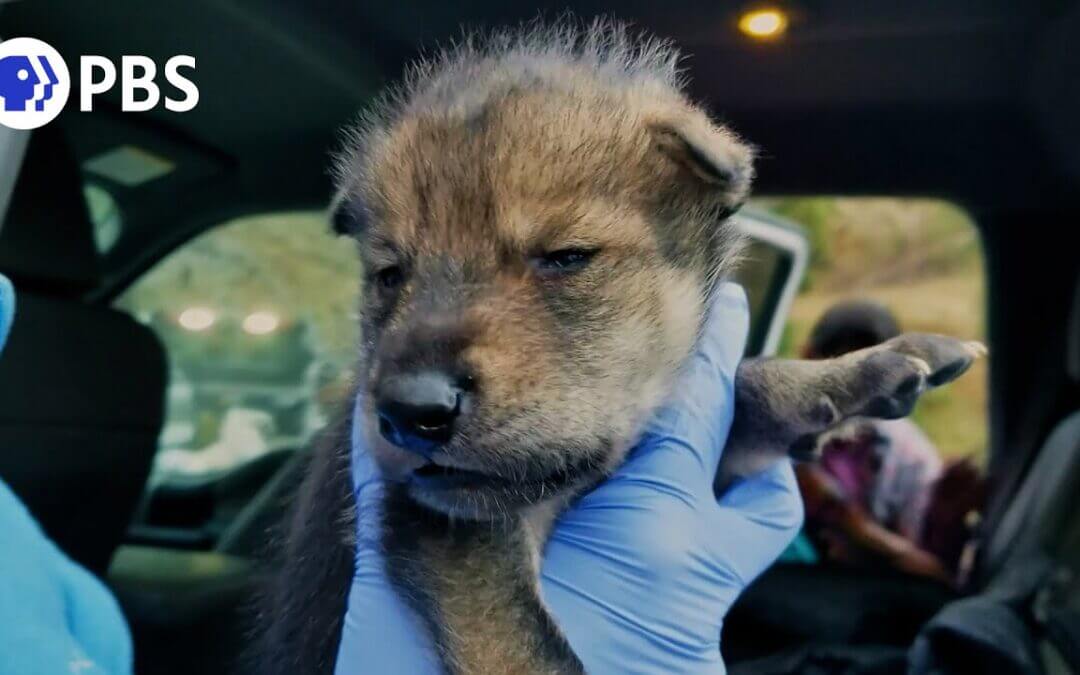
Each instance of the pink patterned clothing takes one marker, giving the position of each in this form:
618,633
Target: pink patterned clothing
889,467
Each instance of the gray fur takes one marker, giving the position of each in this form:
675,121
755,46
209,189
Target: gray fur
783,406
491,153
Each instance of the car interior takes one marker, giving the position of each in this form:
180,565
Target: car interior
972,101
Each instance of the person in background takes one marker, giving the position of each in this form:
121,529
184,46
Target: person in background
880,493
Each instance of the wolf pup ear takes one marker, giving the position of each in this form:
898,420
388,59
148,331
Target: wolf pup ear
347,218
709,155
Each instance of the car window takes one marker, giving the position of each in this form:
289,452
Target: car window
771,270
920,258
258,317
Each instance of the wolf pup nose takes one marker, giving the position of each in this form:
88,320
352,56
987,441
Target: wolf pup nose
417,411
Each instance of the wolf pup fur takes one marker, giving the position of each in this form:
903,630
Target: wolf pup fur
542,215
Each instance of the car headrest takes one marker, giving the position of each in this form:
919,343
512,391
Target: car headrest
47,239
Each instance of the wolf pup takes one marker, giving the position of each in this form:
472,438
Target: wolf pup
542,216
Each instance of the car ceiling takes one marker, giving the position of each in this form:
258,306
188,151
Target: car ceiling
925,96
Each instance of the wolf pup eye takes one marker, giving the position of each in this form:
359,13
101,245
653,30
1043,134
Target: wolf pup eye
564,261
389,277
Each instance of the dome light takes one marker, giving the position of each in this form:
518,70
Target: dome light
763,24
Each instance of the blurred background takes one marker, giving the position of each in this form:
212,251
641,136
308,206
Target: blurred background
921,259
261,331
187,323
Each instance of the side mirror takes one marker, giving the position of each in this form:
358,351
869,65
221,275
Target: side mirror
772,270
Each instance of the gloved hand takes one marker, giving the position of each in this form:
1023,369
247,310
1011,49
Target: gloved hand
7,309
640,572
55,617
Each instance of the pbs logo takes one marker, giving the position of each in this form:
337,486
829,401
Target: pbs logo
34,83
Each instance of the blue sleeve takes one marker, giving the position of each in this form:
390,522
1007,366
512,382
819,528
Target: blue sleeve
55,617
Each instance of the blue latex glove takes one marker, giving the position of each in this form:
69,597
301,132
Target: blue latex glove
639,572
7,310
55,617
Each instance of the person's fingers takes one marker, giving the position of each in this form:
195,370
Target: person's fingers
389,639
7,309
700,406
368,491
680,446
755,520
364,470
723,338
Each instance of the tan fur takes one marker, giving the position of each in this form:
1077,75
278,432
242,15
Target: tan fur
487,635
457,187
487,158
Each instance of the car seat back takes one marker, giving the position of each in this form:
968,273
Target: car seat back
81,386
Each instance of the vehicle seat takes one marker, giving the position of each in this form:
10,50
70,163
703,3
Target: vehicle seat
1042,509
81,386
1026,617
1048,498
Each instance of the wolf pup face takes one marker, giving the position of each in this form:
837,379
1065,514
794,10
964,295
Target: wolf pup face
541,218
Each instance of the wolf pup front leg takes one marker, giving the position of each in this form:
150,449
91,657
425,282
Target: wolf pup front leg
782,406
